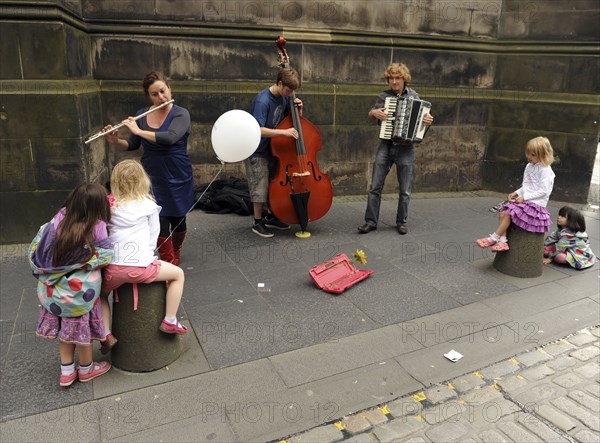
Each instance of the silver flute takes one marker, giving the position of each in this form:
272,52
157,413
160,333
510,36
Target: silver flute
120,125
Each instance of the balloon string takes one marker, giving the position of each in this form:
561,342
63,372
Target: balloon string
193,206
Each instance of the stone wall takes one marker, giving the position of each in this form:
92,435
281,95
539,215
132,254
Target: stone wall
498,72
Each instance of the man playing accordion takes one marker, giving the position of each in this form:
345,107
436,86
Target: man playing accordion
402,154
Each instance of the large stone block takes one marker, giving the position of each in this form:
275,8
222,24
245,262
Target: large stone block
448,68
48,109
42,53
320,103
571,185
548,24
121,58
472,113
445,111
72,5
90,113
124,58
502,176
344,64
17,171
507,144
111,9
348,143
534,73
10,68
449,159
578,153
549,19
58,163
353,109
583,76
349,178
461,18
544,116
78,48
563,117
24,212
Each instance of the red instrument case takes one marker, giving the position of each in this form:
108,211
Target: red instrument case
337,274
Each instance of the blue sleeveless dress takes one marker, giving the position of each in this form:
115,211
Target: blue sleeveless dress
167,162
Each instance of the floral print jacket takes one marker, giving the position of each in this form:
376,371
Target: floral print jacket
575,244
71,290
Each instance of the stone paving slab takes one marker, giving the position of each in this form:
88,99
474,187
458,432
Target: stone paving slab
326,359
450,325
430,366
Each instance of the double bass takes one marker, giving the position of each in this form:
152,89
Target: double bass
299,192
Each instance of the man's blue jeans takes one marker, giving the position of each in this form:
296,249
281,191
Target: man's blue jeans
404,158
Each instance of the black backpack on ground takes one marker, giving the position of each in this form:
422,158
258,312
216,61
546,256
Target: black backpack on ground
224,196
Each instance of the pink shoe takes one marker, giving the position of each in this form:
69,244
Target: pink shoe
98,368
485,242
500,247
173,329
67,380
108,343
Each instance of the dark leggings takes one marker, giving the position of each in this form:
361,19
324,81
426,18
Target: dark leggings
171,223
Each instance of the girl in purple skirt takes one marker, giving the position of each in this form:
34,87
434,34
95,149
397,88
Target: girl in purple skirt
526,207
66,256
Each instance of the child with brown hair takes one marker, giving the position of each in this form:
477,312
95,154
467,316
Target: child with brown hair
569,244
66,256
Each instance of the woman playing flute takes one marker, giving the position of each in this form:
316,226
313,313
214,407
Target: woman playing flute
163,135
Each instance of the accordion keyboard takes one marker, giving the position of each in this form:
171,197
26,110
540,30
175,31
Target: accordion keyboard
405,119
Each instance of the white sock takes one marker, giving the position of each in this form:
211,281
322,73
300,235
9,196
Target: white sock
494,236
67,369
171,320
86,369
106,333
503,239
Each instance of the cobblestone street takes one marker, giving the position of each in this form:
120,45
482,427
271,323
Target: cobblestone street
551,394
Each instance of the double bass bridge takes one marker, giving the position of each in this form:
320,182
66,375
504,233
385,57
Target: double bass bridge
288,176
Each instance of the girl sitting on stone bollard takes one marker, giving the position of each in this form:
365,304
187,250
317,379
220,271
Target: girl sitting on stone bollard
134,230
526,207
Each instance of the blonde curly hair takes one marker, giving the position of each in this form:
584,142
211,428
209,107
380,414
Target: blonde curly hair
129,182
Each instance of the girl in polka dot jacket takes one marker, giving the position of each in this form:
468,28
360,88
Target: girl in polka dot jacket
66,257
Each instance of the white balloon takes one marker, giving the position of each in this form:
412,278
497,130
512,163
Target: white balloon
235,136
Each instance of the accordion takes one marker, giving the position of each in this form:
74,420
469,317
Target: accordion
405,120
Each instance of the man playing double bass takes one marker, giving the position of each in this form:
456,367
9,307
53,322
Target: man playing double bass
269,107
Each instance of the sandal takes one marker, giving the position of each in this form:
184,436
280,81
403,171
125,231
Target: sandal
173,329
485,242
500,247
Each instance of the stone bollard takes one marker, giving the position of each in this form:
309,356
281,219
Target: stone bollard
525,257
141,346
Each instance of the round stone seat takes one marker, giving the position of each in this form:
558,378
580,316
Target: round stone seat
525,257
142,346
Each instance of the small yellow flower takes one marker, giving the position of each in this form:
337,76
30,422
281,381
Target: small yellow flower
360,256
